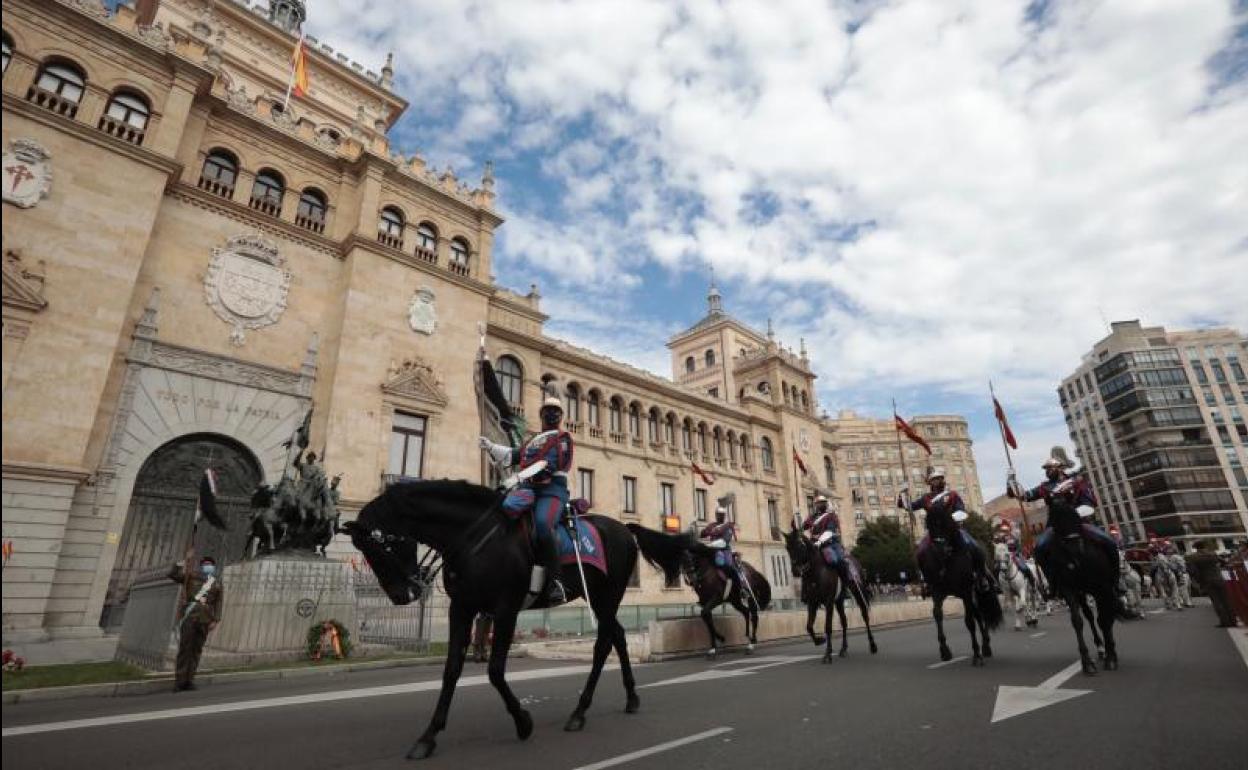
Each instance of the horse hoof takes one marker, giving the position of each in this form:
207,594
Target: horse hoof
633,705
987,651
946,654
1111,663
818,642
712,653
827,657
977,661
1089,668
749,649
1100,655
575,723
421,750
874,649
843,654
524,725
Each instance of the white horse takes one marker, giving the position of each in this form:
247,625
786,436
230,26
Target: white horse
1133,586
1183,581
1014,584
1164,582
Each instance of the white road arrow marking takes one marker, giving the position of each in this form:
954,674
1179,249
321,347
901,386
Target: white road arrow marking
1012,701
757,664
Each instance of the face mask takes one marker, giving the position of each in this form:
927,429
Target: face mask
209,570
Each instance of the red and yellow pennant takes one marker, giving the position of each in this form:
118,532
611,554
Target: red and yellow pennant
299,77
911,433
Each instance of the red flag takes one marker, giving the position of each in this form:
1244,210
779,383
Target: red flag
706,477
911,433
801,466
1005,425
299,77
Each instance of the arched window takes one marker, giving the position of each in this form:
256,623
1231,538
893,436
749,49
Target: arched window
311,211
732,446
827,470
615,416
689,365
634,420
219,174
717,441
593,417
572,399
511,379
390,227
427,240
126,117
686,435
653,425
459,256
745,450
8,52
59,87
767,453
669,430
710,358
702,438
788,400
267,192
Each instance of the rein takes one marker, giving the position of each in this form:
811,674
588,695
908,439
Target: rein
434,560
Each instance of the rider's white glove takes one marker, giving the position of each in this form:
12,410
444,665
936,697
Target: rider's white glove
498,452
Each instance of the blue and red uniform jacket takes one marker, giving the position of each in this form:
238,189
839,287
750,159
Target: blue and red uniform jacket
827,521
1074,491
717,530
553,446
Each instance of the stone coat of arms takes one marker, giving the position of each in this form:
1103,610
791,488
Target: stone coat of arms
422,316
27,173
246,284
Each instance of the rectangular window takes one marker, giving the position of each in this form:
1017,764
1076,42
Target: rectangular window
407,446
630,494
699,504
773,518
585,483
667,499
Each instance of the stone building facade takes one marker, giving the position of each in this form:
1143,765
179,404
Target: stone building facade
189,265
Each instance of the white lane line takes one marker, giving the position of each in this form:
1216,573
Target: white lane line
1240,637
1155,612
629,757
944,663
1039,635
290,700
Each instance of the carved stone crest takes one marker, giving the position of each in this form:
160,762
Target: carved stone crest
422,316
27,173
414,380
155,35
246,284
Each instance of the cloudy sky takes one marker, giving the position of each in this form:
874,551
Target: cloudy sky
930,192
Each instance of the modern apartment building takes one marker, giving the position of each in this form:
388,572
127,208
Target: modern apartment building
1157,418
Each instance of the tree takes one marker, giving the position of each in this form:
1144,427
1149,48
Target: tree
885,551
980,529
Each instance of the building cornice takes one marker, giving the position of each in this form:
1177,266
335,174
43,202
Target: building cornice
16,469
139,154
357,241
254,219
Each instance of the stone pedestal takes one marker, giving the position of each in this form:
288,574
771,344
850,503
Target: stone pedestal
270,604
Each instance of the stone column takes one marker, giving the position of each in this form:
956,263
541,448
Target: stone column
19,76
173,118
92,105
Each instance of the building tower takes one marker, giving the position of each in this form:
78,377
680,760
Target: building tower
288,14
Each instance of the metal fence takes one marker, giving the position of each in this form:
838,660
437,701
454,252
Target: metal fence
379,621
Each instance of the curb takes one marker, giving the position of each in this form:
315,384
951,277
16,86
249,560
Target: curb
159,684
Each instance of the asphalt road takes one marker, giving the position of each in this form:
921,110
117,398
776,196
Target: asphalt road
1179,700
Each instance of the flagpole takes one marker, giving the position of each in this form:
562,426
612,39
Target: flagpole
905,473
290,84
1009,461
797,481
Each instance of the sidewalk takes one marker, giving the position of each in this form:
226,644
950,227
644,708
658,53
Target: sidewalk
162,682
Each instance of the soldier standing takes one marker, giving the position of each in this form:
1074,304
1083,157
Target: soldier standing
197,616
1208,571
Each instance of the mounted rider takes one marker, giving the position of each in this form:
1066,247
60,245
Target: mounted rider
825,530
1063,489
1006,536
945,512
718,536
544,493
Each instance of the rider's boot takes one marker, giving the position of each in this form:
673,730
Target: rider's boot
554,591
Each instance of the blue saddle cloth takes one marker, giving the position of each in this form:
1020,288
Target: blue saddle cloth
590,542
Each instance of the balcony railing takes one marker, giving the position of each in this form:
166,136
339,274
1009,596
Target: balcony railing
315,224
459,268
121,129
216,187
50,101
426,255
266,204
393,241
595,431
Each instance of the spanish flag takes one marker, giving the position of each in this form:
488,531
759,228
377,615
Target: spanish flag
909,432
299,76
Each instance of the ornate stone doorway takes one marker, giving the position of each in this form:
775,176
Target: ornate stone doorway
162,512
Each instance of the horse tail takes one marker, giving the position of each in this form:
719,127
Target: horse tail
761,587
661,550
990,607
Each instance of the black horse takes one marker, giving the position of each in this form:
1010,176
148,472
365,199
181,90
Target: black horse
487,559
677,554
822,587
950,571
1077,570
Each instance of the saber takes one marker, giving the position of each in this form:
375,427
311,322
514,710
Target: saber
580,567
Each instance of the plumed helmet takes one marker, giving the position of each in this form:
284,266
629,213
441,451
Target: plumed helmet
935,473
550,402
821,499
1057,459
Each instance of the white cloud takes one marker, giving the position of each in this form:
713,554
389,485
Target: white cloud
1020,180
